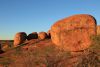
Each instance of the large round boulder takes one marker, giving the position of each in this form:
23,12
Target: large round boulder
32,35
42,35
20,38
73,33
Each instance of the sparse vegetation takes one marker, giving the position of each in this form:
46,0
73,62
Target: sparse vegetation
6,44
91,56
95,43
5,61
49,56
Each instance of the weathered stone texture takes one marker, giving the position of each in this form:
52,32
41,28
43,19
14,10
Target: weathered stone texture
73,33
20,38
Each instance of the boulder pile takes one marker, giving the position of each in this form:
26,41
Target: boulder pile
71,34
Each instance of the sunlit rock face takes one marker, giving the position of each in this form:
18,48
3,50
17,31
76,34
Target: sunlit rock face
73,33
20,38
42,35
98,30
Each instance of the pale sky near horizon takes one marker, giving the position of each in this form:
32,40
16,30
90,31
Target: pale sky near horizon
38,15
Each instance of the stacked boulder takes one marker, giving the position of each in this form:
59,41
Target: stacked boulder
33,35
19,38
73,33
42,35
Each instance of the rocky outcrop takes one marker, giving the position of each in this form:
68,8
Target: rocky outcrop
19,38
33,35
42,35
73,33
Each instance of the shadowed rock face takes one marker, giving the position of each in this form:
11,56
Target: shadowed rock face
98,30
1,51
0,46
33,35
42,35
48,34
73,33
19,38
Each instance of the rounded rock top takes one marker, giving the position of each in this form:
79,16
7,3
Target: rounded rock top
19,38
42,35
73,33
32,35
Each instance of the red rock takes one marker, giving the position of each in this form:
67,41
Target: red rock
19,38
42,35
73,33
33,35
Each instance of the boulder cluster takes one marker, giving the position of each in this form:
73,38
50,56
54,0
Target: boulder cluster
72,33
21,37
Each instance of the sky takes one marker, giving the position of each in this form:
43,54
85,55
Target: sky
38,15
